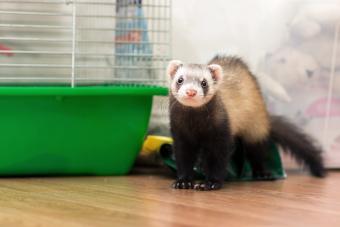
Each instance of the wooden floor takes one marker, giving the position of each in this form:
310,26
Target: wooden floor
147,200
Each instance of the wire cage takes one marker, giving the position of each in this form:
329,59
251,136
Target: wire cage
77,80
84,42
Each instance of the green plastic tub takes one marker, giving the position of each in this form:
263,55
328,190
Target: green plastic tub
73,131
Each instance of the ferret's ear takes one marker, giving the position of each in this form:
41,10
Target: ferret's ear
173,67
216,71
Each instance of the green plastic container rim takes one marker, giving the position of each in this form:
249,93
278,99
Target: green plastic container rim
83,90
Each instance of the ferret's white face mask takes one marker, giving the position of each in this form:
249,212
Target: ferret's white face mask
193,85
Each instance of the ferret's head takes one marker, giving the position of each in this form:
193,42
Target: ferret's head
194,85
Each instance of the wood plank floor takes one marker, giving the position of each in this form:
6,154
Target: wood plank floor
147,200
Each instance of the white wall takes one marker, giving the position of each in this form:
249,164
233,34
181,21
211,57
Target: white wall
244,27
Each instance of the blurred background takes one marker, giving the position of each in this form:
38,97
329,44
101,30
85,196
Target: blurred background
288,44
292,46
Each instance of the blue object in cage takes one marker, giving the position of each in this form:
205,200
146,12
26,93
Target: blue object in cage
133,49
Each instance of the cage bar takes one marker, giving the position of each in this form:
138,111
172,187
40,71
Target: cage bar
80,41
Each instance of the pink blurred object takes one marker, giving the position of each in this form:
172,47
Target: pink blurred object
132,36
8,51
336,144
318,108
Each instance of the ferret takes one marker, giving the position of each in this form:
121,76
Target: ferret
214,105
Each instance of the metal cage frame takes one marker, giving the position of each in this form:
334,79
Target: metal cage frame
84,42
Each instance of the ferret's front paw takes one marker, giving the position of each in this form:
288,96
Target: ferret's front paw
208,185
183,184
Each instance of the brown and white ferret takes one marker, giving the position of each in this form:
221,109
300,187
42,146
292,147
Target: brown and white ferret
211,107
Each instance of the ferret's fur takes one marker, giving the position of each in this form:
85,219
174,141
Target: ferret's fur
207,120
242,99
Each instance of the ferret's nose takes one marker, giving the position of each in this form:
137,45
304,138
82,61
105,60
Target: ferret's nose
191,92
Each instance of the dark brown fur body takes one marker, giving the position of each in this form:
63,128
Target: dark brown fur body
199,135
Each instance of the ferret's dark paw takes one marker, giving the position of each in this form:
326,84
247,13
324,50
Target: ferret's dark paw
183,184
208,185
263,175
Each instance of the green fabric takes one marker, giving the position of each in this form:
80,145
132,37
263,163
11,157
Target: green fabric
239,168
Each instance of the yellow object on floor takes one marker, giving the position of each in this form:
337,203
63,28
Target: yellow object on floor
152,144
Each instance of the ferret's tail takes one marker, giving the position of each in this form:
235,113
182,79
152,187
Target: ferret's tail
300,145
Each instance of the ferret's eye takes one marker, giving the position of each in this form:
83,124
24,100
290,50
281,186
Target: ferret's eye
204,83
180,80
